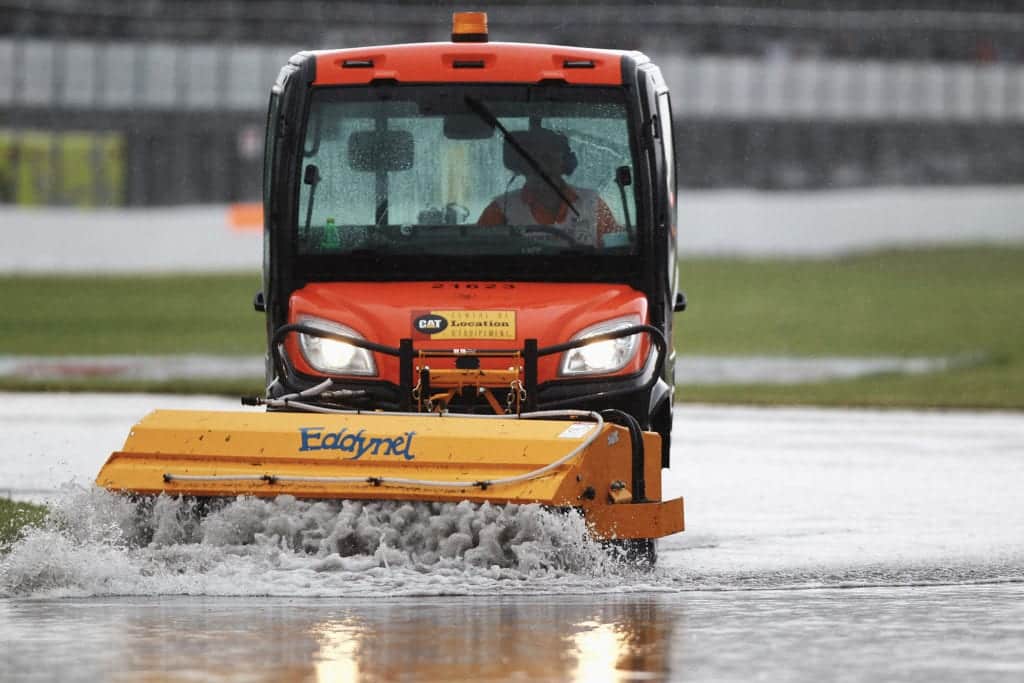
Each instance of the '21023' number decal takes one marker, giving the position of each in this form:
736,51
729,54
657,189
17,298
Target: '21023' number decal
473,285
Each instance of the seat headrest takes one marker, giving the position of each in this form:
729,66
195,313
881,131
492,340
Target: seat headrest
539,141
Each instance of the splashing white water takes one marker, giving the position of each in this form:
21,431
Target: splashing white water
98,543
825,498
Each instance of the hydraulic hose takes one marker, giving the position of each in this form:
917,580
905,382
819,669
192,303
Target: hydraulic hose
636,441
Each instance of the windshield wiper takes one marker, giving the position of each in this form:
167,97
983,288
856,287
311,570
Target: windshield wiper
481,110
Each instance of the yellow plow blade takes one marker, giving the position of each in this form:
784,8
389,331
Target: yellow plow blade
429,457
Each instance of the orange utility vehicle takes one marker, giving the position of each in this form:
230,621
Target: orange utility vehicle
466,244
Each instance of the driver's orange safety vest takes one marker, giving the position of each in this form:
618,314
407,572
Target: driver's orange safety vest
595,225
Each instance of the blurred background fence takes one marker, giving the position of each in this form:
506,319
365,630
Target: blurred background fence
161,102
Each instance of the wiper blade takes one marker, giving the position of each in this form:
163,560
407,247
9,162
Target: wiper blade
481,110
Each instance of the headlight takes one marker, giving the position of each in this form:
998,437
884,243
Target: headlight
610,355
333,356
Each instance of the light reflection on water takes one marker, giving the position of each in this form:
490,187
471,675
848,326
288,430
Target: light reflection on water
479,640
337,658
900,634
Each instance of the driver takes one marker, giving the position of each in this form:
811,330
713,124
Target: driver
539,203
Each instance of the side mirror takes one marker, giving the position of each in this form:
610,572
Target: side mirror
623,176
311,175
259,302
377,151
680,303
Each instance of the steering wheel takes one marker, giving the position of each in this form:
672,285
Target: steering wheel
555,231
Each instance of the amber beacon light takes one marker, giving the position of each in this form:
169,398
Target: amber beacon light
469,27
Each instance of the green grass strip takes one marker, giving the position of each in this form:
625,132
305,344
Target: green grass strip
943,302
956,302
123,314
951,302
15,517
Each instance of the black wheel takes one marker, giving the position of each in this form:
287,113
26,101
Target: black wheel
662,423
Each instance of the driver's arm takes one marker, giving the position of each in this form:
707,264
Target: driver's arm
492,215
608,227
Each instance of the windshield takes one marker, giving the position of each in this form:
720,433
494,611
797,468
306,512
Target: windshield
467,170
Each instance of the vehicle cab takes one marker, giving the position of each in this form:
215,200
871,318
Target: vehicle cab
405,256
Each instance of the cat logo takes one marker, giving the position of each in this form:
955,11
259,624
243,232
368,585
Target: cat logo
463,324
431,323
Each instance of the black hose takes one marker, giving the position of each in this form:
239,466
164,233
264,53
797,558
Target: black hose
284,330
657,339
636,441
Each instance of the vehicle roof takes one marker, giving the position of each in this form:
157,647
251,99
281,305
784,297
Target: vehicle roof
470,63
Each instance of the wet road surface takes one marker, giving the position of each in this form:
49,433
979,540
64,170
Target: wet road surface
821,545
893,634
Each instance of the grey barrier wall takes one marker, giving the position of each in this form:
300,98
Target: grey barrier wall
188,119
925,30
188,78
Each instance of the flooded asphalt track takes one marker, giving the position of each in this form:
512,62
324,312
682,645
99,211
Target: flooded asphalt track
821,545
880,634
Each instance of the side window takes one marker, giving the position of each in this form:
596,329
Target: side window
665,120
268,149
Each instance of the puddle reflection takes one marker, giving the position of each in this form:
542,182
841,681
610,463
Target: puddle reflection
936,633
220,639
567,641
